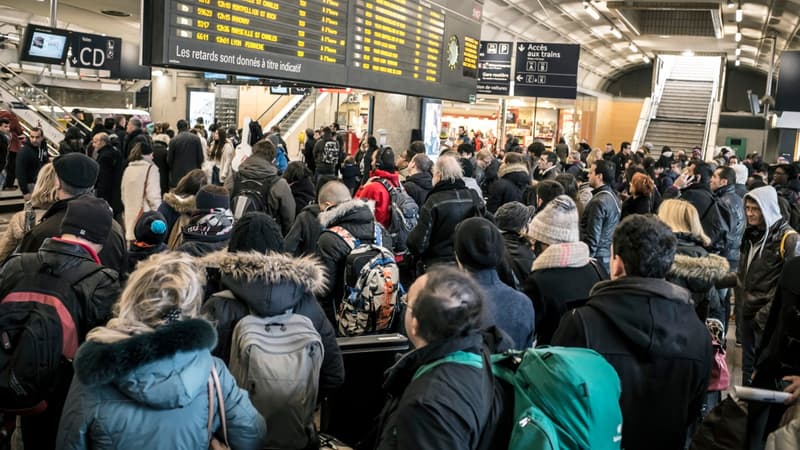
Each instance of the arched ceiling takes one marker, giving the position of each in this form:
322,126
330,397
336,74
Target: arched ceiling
650,27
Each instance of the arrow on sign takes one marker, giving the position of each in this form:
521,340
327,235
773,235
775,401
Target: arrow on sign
74,61
520,78
521,48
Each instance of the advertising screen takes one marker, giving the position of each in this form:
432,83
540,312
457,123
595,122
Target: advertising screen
44,45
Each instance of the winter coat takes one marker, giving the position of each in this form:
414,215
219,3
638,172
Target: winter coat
351,176
29,161
308,153
641,204
109,177
185,154
207,232
301,240
70,146
131,139
560,280
375,191
418,186
648,330
114,254
666,180
599,219
320,166
445,408
509,309
303,192
138,252
225,169
141,191
490,175
174,207
160,154
280,200
519,254
761,262
266,286
779,355
357,218
514,178
151,391
448,203
734,207
15,231
700,196
698,271
549,174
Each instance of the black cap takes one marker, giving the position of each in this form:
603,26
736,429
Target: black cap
256,231
89,218
479,244
77,170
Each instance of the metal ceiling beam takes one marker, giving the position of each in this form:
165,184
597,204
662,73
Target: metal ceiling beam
667,6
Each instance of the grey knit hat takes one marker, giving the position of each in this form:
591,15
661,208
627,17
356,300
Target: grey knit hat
557,223
513,216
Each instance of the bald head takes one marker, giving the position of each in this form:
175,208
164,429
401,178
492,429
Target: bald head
333,193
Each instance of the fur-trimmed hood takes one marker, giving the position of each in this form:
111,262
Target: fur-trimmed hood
165,369
709,269
269,283
352,209
506,169
181,205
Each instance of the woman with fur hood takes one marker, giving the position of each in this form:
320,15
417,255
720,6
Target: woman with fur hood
514,177
257,278
694,268
178,205
142,381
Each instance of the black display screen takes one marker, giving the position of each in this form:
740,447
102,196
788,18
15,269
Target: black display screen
44,45
406,46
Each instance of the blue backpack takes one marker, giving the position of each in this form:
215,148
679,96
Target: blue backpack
281,160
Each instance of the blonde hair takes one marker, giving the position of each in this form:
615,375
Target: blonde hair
164,283
45,192
682,217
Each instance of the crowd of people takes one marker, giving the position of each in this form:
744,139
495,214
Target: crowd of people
164,269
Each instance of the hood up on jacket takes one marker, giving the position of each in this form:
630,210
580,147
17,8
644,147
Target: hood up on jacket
270,284
643,310
164,369
352,209
767,199
181,205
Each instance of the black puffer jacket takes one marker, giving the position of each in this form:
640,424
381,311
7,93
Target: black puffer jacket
109,177
514,178
302,237
357,218
780,349
698,271
700,196
114,254
734,208
648,330
599,219
490,175
303,192
269,285
185,154
519,254
448,203
281,201
419,186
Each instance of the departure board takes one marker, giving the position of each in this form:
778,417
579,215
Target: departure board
404,46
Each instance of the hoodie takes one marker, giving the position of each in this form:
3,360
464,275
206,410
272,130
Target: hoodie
648,330
418,186
375,191
514,178
281,200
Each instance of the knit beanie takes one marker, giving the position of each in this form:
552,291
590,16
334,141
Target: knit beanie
479,244
88,218
206,199
77,170
151,228
557,223
256,231
513,216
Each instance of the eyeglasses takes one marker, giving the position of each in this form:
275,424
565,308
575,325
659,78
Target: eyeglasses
404,301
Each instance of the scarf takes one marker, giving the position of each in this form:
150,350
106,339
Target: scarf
572,254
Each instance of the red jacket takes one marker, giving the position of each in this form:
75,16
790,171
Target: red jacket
376,192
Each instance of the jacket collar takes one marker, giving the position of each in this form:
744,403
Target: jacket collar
84,247
69,248
506,169
181,205
272,268
392,177
338,212
446,185
725,190
653,287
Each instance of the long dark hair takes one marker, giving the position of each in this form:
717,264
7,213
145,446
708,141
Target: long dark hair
191,183
219,144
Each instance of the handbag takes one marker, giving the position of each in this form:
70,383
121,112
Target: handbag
720,375
213,386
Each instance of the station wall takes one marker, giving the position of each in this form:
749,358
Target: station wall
616,120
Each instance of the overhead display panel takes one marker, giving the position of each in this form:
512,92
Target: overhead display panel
405,46
494,67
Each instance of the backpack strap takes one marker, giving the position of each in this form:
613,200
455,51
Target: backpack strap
783,242
459,357
378,234
345,235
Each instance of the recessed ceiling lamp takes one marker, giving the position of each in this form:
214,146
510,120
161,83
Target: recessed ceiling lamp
688,53
738,37
591,11
114,13
633,48
738,51
737,63
739,14
617,34
646,59
157,73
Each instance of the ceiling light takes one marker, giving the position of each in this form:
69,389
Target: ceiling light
633,48
731,4
591,11
738,51
739,14
688,53
157,73
737,63
617,34
646,59
738,37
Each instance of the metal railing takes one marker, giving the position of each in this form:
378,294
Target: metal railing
712,115
661,72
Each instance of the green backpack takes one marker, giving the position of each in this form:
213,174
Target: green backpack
564,397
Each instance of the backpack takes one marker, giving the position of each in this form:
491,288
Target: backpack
38,335
716,223
278,361
405,215
372,287
281,160
330,152
250,195
564,398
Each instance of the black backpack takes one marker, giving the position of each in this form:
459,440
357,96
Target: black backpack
716,223
38,335
405,215
250,195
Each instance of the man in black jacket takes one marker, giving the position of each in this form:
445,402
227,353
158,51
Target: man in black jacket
419,181
601,214
354,216
440,406
185,153
308,150
448,203
327,154
723,183
32,157
109,177
76,174
134,134
647,328
88,301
